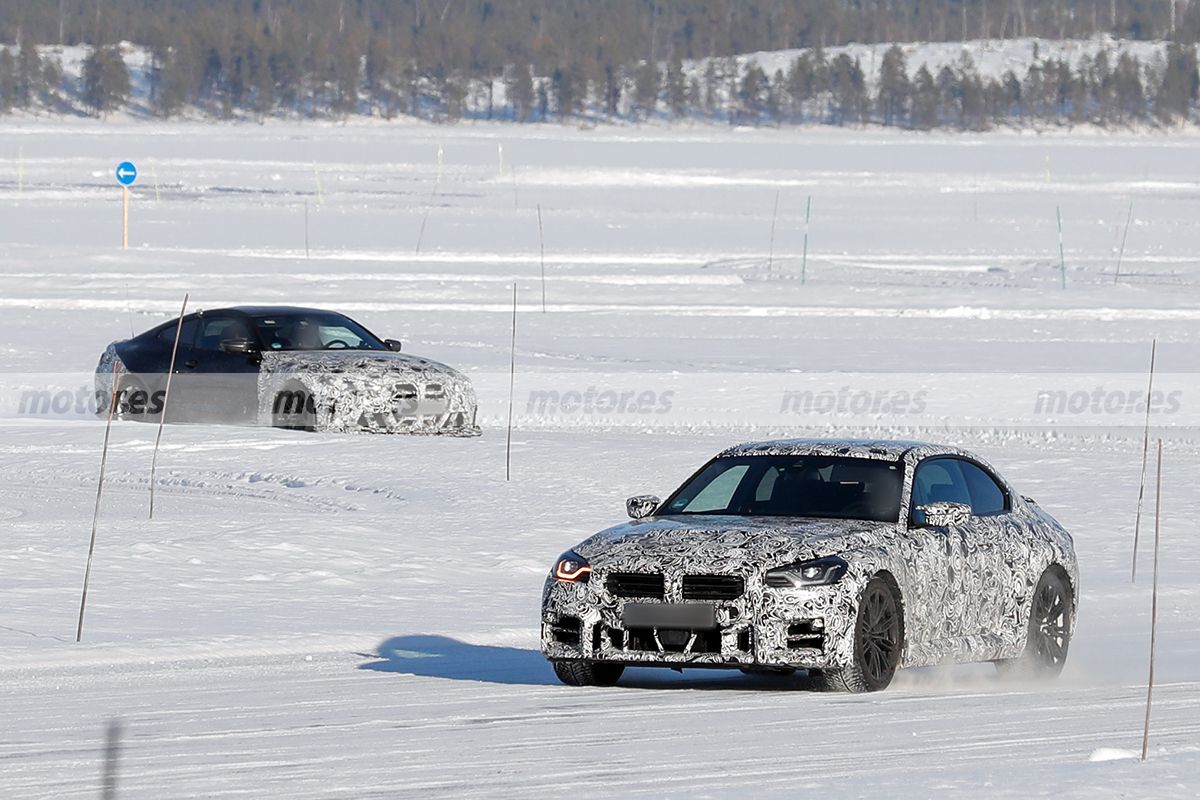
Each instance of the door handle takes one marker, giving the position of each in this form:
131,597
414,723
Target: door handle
191,363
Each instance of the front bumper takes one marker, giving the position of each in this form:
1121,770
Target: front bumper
763,627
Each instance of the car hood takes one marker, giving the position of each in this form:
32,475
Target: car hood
352,360
726,544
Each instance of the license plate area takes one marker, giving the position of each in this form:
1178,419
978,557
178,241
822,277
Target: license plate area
686,616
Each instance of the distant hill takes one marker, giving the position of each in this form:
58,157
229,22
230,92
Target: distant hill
972,85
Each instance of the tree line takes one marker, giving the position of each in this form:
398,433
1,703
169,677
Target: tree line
543,60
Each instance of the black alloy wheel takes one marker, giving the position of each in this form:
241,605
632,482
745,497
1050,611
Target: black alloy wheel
878,642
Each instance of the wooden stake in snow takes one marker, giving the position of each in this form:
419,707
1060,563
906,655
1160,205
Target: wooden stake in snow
542,246
87,574
162,417
512,377
771,247
804,258
1153,601
425,216
1062,258
500,159
441,161
124,217
1137,521
154,177
306,255
1124,236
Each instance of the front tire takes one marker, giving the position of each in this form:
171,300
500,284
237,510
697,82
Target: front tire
588,673
878,642
1048,635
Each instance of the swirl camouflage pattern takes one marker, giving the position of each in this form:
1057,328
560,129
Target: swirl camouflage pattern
963,582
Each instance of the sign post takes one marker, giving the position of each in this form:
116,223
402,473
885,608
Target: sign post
126,174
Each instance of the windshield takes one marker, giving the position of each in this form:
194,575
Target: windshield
314,331
793,486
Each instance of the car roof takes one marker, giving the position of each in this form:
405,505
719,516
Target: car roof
257,310
251,311
885,449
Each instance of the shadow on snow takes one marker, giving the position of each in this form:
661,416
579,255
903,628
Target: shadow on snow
435,656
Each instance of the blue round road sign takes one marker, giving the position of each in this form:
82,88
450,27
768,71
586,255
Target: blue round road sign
126,173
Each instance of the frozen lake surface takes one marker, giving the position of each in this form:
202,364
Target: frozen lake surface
321,616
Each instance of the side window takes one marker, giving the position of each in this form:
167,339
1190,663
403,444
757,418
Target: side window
940,480
214,330
187,334
986,495
766,486
336,333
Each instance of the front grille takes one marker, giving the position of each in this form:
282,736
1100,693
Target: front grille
635,584
713,587
673,641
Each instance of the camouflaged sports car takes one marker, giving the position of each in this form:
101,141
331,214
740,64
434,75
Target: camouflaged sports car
299,368
849,559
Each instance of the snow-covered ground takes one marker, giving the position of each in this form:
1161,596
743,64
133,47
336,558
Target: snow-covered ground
317,616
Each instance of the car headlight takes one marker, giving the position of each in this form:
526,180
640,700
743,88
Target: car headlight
817,572
572,568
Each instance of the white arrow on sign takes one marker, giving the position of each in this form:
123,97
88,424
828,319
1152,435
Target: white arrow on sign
126,173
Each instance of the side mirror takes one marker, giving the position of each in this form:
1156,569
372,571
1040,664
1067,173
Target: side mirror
392,344
941,514
241,346
642,506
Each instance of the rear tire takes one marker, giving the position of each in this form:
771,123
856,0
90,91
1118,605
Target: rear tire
878,642
286,415
134,401
1048,634
588,673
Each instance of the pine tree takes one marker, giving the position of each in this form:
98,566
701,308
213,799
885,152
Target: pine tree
712,88
1129,89
52,77
926,100
569,91
676,87
848,86
801,85
8,80
752,94
30,82
105,79
1180,81
645,89
613,83
894,87
518,85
